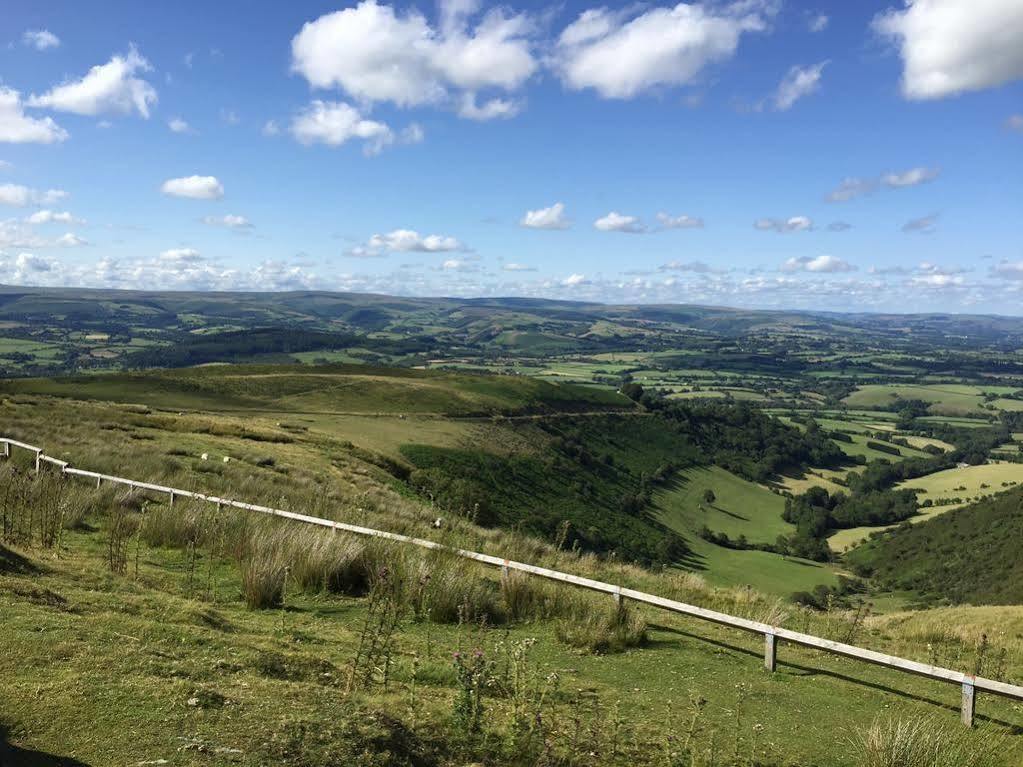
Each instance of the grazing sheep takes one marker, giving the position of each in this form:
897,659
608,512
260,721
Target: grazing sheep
205,456
437,523
227,459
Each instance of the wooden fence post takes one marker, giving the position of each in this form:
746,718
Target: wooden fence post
99,481
969,693
770,652
171,504
39,459
618,596
7,449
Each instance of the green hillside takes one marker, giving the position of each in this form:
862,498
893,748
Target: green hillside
968,555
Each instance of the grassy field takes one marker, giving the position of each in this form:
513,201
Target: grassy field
129,669
948,399
739,508
968,482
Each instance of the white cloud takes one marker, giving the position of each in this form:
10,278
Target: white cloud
621,57
617,222
229,221
936,280
177,125
793,224
271,128
851,188
924,224
854,187
40,39
950,47
70,240
798,82
697,267
181,255
18,128
412,134
333,123
518,268
1015,122
405,241
911,177
546,218
494,109
818,23
375,53
1008,270
194,187
679,222
52,217
820,264
574,280
107,88
20,196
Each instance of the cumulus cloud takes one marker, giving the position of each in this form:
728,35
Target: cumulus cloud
546,218
513,267
797,83
70,240
177,125
405,241
110,88
574,280
679,222
21,196
617,222
819,264
950,47
52,217
271,128
16,127
40,39
923,225
375,53
494,109
621,54
818,23
333,123
194,187
793,224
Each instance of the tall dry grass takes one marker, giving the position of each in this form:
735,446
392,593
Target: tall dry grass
925,742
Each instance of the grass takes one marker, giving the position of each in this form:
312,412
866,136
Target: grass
947,399
967,482
129,669
739,507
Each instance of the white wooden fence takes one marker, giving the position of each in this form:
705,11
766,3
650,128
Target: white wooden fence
969,683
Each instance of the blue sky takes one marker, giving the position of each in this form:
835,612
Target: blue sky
834,155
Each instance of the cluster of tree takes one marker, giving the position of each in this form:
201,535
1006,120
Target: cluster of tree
261,343
883,447
746,441
816,513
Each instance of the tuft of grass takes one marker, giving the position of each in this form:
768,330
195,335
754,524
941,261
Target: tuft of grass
605,631
925,742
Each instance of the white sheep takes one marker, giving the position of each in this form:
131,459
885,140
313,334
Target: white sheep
227,459
205,456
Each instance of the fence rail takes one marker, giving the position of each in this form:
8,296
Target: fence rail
969,683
